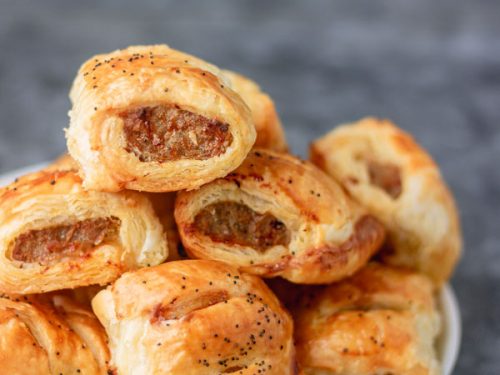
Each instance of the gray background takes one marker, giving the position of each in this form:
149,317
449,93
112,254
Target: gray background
431,66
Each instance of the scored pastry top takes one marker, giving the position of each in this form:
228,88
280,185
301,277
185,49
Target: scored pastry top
196,317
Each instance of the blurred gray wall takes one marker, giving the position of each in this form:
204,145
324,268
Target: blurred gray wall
431,66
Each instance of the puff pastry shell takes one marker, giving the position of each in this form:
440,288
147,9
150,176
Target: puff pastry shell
141,77
49,199
50,334
415,206
270,134
328,236
380,321
195,317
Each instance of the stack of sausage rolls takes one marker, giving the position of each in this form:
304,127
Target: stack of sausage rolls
179,236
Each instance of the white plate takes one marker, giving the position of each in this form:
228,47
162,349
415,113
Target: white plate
448,343
451,335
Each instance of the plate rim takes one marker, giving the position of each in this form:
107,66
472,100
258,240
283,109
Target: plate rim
451,335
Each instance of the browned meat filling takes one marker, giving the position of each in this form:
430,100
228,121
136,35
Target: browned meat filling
74,240
236,223
165,133
385,176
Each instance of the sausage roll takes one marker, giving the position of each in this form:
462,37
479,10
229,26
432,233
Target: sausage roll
155,119
55,235
278,216
380,321
195,317
397,181
270,134
50,334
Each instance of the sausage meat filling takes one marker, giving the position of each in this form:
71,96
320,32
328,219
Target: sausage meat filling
385,176
167,133
236,223
73,240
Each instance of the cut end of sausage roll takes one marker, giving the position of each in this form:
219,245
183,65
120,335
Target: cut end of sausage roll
166,133
278,216
398,182
55,235
380,321
195,316
236,223
270,133
49,245
151,118
50,334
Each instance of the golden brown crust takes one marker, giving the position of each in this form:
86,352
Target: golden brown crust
50,334
270,133
330,238
381,320
195,317
420,215
51,199
144,77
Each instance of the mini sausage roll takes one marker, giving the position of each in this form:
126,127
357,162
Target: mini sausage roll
270,134
50,334
278,216
380,321
55,235
397,181
155,119
195,317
